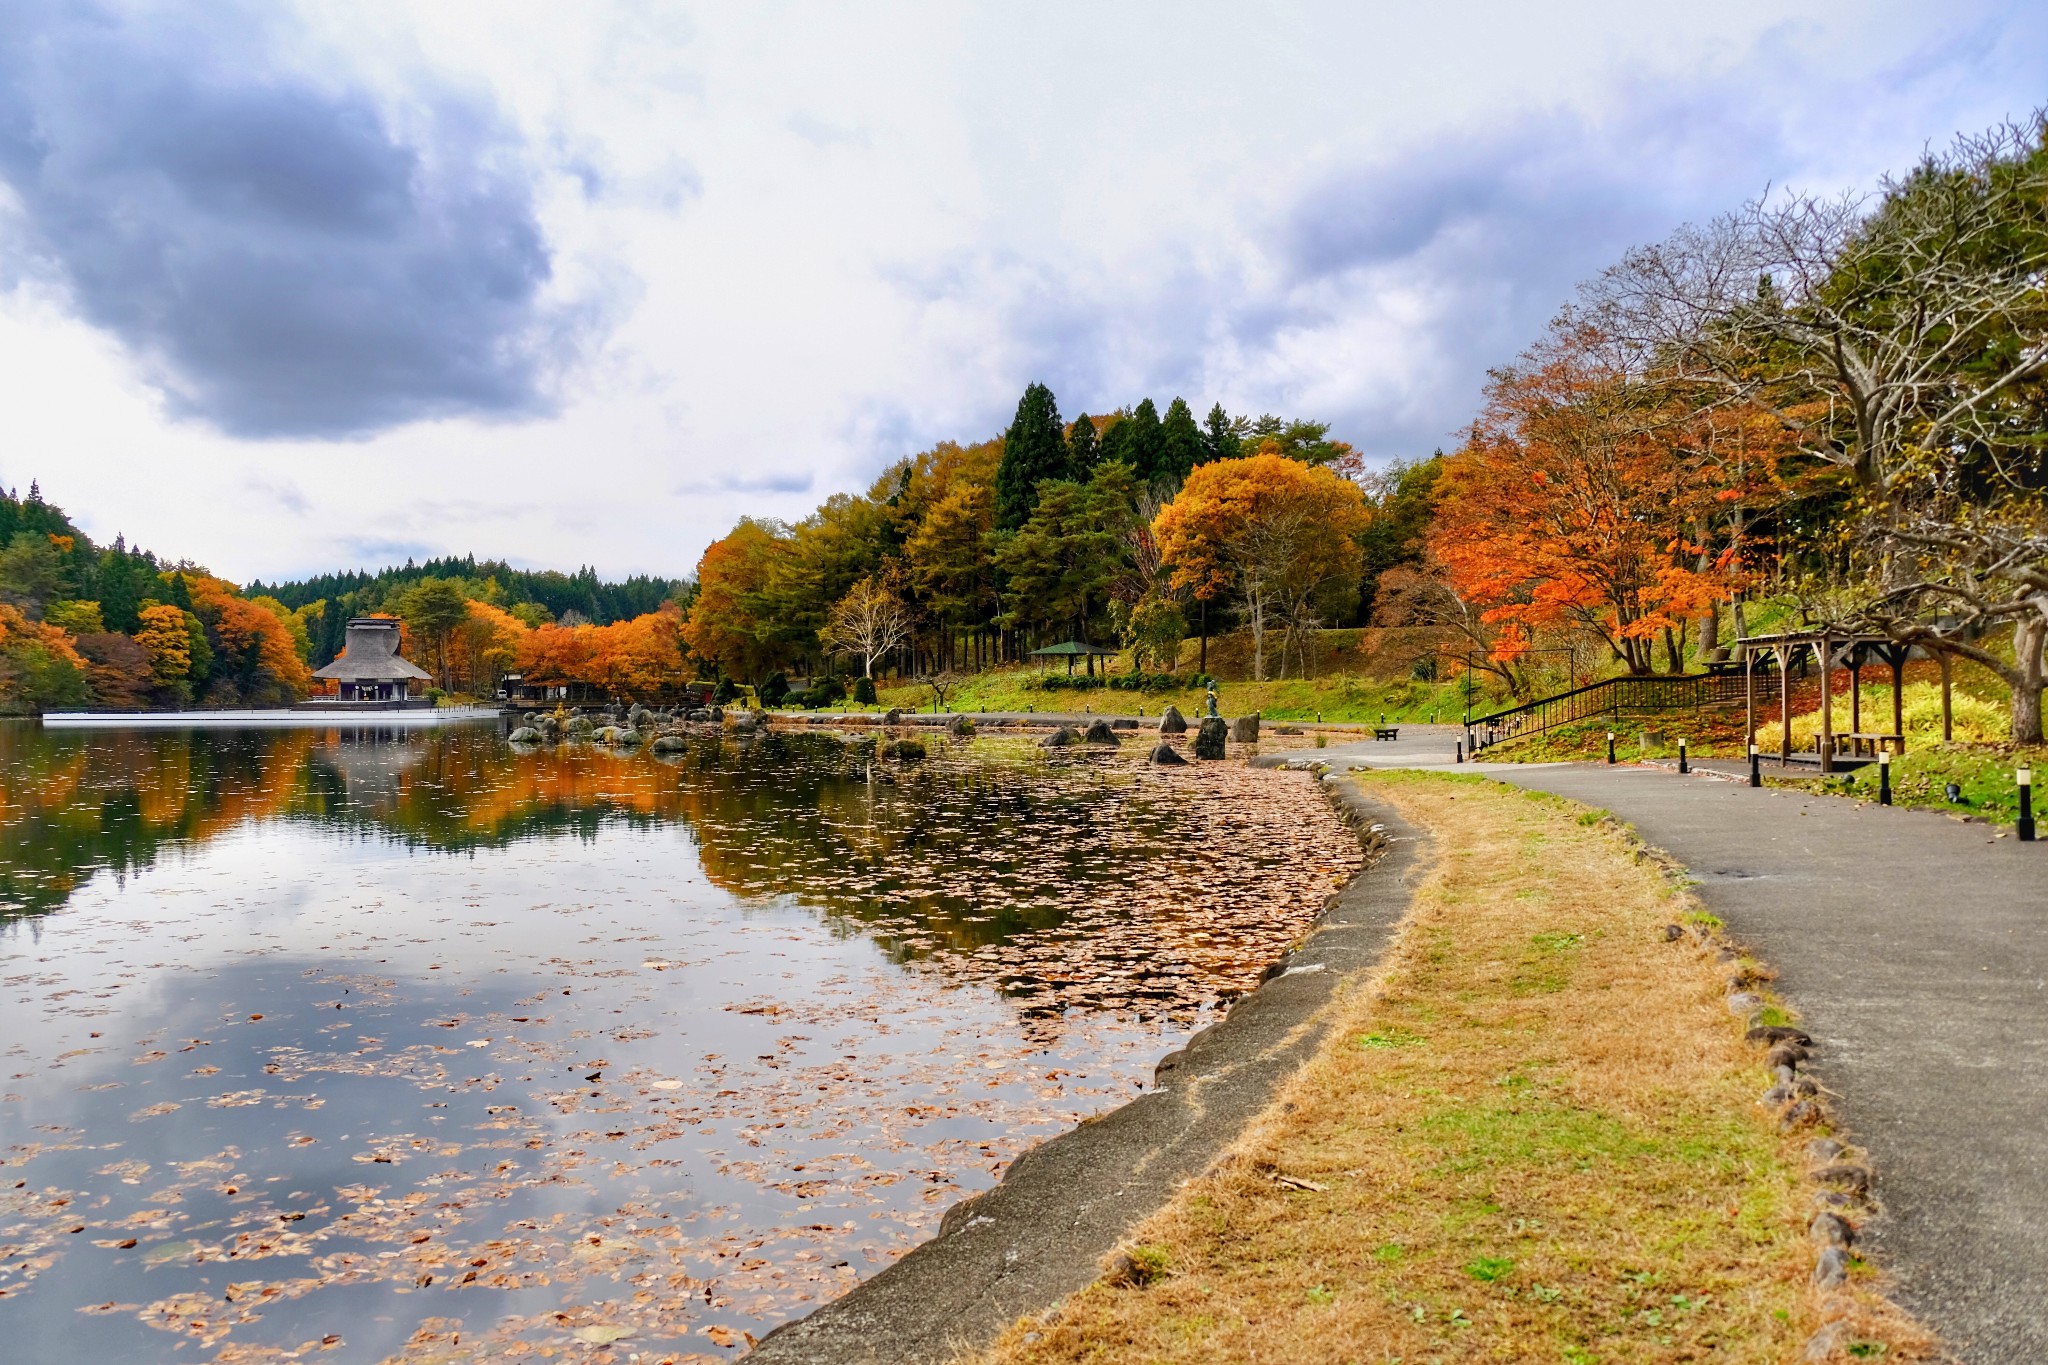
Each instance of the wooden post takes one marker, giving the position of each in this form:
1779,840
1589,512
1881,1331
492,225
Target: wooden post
1827,708
1785,704
1856,689
1948,718
1749,697
1898,662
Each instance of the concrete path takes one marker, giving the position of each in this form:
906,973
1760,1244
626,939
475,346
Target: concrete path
1916,949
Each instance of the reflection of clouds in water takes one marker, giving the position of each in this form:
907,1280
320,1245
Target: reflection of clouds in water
784,1101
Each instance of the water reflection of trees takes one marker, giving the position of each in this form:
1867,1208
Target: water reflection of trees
796,815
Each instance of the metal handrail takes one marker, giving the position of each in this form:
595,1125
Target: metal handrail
1609,696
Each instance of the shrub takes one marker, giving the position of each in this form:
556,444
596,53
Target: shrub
864,691
825,692
1976,721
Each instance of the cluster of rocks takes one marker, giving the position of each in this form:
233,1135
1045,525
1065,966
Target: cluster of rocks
1212,737
662,732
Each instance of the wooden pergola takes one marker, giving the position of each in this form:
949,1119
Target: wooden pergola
1832,650
1076,649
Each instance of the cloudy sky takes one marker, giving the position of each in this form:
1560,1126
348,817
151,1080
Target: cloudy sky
286,287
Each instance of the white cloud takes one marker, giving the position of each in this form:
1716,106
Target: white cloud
833,234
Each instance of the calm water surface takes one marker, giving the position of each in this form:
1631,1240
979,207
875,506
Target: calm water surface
359,1045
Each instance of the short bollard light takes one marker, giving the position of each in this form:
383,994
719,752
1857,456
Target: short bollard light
1610,746
1884,777
1756,776
1461,751
1681,755
2025,827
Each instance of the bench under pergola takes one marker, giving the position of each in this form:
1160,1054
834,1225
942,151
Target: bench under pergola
1075,649
1832,650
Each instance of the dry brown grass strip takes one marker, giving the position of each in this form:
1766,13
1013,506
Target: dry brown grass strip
1532,1137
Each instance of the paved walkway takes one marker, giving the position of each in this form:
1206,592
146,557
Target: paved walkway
1916,949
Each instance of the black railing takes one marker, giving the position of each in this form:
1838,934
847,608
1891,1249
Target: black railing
1614,697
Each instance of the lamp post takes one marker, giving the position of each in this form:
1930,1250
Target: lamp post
2025,826
1884,777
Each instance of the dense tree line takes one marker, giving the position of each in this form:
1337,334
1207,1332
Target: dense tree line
535,596
966,556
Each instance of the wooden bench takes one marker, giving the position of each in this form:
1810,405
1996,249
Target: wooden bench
1386,732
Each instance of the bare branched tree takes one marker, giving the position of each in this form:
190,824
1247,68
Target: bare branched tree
869,622
1902,338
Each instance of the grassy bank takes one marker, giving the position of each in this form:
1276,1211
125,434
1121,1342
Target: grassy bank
1532,1137
1338,697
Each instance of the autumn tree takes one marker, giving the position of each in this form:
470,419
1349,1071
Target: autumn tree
867,623
432,609
1900,337
1572,505
725,626
1279,535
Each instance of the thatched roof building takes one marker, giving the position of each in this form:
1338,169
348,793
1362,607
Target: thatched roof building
370,667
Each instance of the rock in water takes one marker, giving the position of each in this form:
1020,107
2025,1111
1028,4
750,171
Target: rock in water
1172,722
1100,733
669,744
1166,756
1209,739
1060,738
1244,730
525,734
961,727
894,716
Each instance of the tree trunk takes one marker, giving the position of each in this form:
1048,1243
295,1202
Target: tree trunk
2028,638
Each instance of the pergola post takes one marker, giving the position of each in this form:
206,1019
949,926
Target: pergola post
1827,708
1749,697
1898,655
1856,689
1948,719
1784,703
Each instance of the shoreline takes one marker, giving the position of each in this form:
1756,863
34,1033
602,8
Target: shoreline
1041,1232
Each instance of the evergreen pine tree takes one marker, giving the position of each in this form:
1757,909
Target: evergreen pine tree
1147,442
1034,449
1221,437
1116,441
1180,441
1083,451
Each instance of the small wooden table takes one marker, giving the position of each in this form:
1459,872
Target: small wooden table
1864,744
1386,732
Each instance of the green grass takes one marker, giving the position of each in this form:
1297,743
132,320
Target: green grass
1984,772
1336,697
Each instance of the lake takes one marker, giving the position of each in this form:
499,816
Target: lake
367,1044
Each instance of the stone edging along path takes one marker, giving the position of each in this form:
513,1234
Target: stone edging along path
1042,1232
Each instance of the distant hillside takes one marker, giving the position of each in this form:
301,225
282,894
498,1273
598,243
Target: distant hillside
580,596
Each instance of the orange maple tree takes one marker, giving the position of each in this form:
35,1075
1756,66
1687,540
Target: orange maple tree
1589,497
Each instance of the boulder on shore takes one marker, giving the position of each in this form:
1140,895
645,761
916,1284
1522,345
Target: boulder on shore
1172,722
961,727
1060,738
894,716
525,734
1209,739
1101,733
1166,756
1244,730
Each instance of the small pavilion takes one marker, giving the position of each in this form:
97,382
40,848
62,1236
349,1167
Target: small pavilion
1832,650
369,668
1077,649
